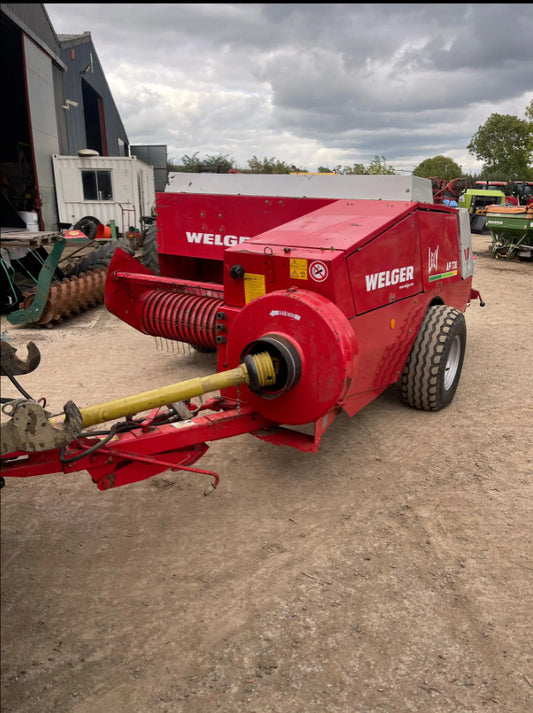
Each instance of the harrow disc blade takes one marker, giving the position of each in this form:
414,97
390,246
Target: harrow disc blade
70,296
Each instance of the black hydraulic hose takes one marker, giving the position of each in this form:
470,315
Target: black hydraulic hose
19,387
124,427
89,451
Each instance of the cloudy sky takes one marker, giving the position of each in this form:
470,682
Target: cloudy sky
310,84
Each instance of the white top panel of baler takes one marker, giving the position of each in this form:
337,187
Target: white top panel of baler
392,188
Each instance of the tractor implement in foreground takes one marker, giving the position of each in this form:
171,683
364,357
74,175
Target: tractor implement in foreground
318,313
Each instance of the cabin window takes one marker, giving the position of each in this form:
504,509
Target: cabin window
97,185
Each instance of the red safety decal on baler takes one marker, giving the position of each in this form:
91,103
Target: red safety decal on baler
318,271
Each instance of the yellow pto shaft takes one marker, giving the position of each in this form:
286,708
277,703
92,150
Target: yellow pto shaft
257,371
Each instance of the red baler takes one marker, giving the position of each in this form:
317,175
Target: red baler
314,305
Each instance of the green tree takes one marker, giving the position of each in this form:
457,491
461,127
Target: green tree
379,167
272,165
529,119
529,111
504,143
438,167
217,163
356,170
188,164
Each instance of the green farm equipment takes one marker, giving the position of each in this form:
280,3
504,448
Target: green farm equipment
477,200
512,231
51,276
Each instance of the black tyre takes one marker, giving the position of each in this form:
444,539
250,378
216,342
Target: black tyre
88,225
101,257
150,257
433,369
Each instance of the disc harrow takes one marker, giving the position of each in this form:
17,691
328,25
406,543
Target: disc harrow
59,293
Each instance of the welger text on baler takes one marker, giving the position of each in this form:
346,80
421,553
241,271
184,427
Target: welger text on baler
389,277
214,239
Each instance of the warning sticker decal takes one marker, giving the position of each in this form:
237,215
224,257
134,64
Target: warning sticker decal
254,286
298,269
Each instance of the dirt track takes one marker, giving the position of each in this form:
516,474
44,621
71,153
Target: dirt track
392,572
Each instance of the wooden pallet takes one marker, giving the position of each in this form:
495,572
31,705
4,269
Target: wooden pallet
28,238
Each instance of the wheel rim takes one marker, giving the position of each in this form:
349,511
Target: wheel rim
452,363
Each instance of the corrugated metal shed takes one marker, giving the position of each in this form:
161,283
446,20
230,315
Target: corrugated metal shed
156,156
93,121
59,103
31,79
33,19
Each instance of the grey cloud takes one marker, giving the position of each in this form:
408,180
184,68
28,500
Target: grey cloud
389,79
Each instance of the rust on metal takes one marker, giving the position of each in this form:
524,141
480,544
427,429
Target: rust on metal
29,430
11,365
70,296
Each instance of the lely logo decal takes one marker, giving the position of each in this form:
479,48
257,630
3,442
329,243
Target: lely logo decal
433,259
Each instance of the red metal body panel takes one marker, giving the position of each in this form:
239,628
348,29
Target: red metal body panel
310,252
387,268
439,247
203,226
323,272
385,337
341,225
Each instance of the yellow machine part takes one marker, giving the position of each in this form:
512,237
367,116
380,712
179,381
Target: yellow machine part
264,375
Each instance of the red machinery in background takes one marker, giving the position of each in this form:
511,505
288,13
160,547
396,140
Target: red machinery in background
444,190
313,304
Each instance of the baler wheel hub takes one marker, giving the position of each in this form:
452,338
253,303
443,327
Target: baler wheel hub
452,363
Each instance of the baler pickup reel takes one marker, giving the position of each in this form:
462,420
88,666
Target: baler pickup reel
34,443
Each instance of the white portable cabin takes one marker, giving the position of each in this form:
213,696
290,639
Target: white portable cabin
108,188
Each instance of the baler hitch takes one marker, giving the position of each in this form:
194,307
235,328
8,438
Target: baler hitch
29,428
11,365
